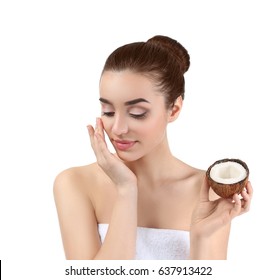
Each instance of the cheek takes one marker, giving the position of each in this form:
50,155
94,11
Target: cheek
154,128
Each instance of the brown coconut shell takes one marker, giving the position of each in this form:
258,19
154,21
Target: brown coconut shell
227,190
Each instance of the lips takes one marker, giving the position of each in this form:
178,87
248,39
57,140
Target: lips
123,145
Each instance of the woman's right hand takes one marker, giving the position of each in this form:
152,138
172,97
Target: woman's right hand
118,172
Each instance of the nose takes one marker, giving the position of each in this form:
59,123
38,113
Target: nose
120,125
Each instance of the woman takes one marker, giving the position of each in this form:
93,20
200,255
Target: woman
142,202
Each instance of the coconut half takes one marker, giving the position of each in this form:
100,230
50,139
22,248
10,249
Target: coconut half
227,177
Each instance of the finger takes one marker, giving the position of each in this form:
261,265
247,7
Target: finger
204,192
236,210
102,153
100,137
249,188
99,128
100,142
245,195
91,132
96,139
246,201
99,145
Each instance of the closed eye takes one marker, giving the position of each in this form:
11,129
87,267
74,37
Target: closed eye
138,116
135,116
108,114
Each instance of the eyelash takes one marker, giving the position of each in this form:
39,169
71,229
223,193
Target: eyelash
139,117
108,114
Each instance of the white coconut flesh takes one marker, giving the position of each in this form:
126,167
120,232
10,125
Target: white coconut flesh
228,172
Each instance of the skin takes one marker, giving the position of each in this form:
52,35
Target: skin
144,185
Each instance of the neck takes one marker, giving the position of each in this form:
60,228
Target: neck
155,166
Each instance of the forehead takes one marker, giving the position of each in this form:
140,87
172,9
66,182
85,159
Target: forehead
126,85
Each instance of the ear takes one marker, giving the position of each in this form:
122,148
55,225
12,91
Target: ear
175,110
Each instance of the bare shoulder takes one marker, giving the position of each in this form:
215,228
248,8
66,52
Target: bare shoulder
192,176
197,176
74,190
196,180
79,179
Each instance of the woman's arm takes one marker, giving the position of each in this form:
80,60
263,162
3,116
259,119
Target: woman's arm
210,226
76,213
213,247
120,241
79,227
76,216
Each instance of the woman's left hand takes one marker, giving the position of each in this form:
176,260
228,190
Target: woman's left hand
209,216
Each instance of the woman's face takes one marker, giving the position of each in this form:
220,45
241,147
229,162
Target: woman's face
133,113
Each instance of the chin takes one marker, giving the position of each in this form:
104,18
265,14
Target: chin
128,156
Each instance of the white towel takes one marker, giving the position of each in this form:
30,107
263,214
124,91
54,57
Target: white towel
157,244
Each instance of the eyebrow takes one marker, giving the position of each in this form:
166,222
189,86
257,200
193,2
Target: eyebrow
127,103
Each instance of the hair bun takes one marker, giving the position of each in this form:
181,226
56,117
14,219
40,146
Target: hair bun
175,48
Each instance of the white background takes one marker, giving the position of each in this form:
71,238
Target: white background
51,56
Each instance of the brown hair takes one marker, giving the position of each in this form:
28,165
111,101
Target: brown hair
161,58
